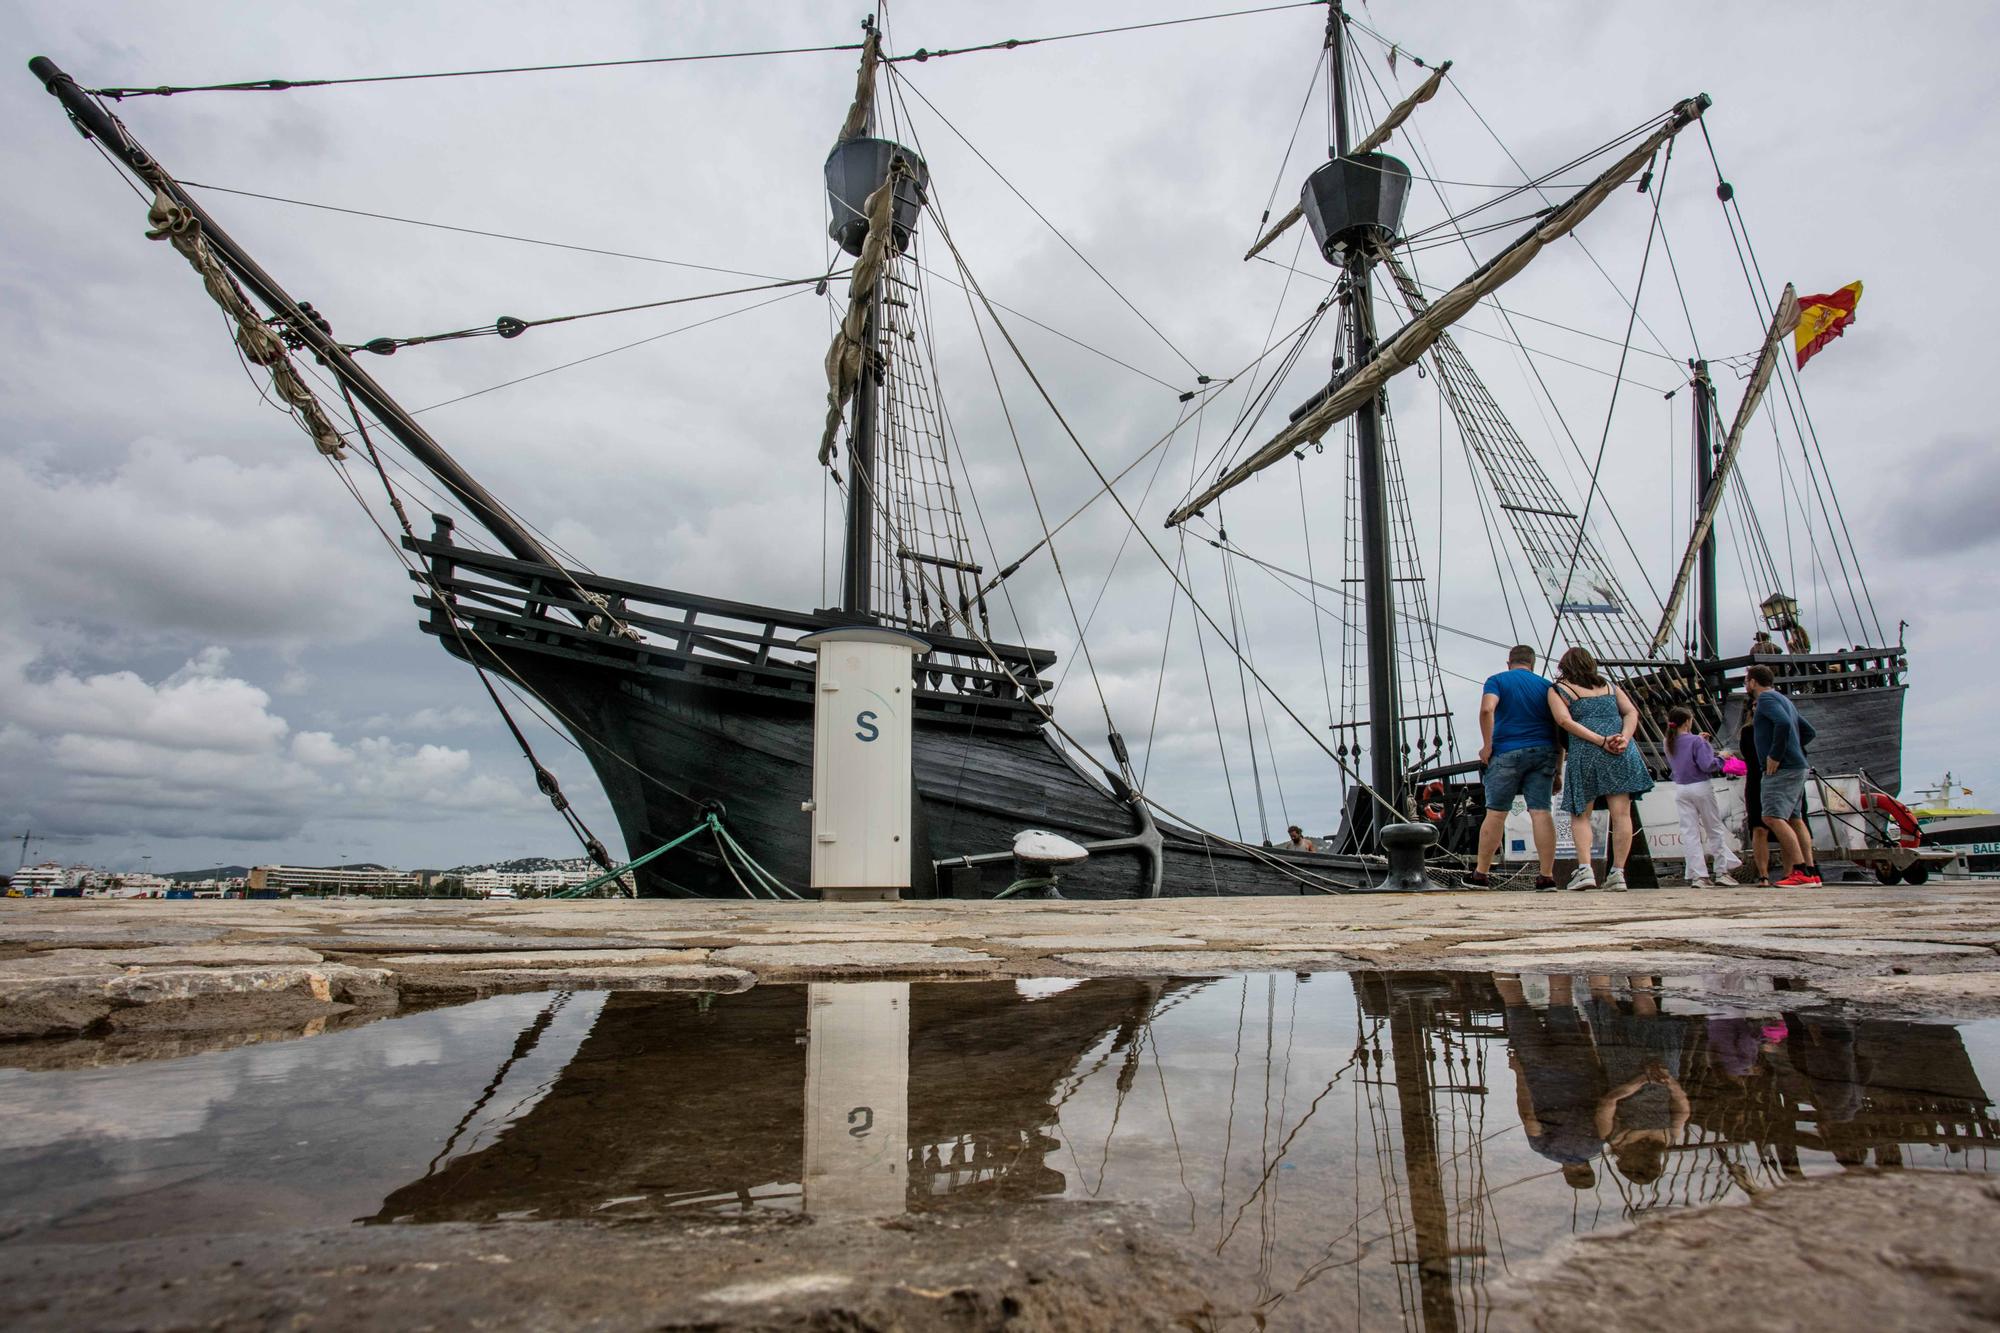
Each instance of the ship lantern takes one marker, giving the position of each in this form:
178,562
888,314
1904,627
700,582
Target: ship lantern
855,169
1780,612
1352,200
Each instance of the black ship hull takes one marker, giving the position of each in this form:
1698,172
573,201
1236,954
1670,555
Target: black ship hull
711,711
1853,699
706,706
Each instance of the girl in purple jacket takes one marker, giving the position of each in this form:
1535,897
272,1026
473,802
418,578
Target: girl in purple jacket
1704,840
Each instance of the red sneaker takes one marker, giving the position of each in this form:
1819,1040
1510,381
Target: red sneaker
1798,879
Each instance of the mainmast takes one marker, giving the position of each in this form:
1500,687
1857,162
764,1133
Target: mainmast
1358,182
1706,620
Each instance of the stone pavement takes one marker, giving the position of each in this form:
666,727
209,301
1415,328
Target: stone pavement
70,965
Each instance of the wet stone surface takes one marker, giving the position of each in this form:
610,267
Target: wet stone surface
1306,1150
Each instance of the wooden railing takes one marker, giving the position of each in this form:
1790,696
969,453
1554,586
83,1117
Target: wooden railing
715,639
1815,673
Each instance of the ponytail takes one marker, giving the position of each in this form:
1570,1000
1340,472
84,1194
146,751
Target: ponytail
1678,721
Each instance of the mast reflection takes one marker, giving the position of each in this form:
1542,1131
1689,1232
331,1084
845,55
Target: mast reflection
1471,1117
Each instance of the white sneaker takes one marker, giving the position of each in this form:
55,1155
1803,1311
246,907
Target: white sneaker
1614,881
1726,881
1584,878
1703,883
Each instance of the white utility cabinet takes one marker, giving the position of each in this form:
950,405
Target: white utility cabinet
861,761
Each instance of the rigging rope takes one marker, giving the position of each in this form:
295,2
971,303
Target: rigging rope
1611,408
1014,43
609,351
921,54
1240,650
1787,382
506,326
903,81
1105,487
645,259
545,781
1420,150
1501,144
290,85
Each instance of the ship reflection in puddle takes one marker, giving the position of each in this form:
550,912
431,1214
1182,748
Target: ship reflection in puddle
1382,1141
1376,1130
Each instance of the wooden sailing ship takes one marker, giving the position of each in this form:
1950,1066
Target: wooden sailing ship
694,710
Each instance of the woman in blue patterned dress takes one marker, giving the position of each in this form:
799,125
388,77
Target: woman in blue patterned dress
1603,762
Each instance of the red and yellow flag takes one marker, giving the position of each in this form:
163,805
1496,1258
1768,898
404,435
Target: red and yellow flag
1822,319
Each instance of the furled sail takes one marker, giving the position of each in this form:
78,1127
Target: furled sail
863,109
1783,321
846,358
1401,350
1389,126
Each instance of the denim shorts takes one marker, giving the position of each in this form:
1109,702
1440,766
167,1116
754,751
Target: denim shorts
1784,794
1529,771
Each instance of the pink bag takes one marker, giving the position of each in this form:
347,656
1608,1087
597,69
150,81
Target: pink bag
1733,767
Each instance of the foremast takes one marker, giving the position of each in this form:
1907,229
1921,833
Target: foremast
906,558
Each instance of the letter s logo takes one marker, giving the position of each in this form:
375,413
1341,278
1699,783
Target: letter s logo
865,720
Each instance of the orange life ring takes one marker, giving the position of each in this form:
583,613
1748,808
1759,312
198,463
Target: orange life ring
1906,823
1431,802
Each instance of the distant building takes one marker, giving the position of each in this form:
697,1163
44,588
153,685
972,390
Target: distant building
138,886
327,879
39,881
482,882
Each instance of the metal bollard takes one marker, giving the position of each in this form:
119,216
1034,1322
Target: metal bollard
1404,845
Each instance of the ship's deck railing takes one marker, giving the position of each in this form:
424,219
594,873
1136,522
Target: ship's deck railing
1815,673
709,638
1703,686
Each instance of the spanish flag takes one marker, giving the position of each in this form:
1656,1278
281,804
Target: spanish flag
1822,319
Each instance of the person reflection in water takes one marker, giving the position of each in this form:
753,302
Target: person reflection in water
1738,1044
1644,1108
1557,1080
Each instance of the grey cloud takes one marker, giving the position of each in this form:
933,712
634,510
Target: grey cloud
1942,499
688,461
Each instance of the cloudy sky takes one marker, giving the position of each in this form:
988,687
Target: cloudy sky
206,654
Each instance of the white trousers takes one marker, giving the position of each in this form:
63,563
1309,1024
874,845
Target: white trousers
1704,839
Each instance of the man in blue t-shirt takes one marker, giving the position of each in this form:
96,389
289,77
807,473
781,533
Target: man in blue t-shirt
1781,737
1521,757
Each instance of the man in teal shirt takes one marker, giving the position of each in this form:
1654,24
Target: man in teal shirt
1521,756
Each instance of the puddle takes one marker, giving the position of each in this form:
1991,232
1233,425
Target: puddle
1355,1144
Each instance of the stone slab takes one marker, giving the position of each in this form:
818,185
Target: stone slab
597,958
86,931
1203,962
1563,942
668,977
57,963
1851,948
1107,940
1947,994
191,955
1617,963
461,940
39,1006
835,957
